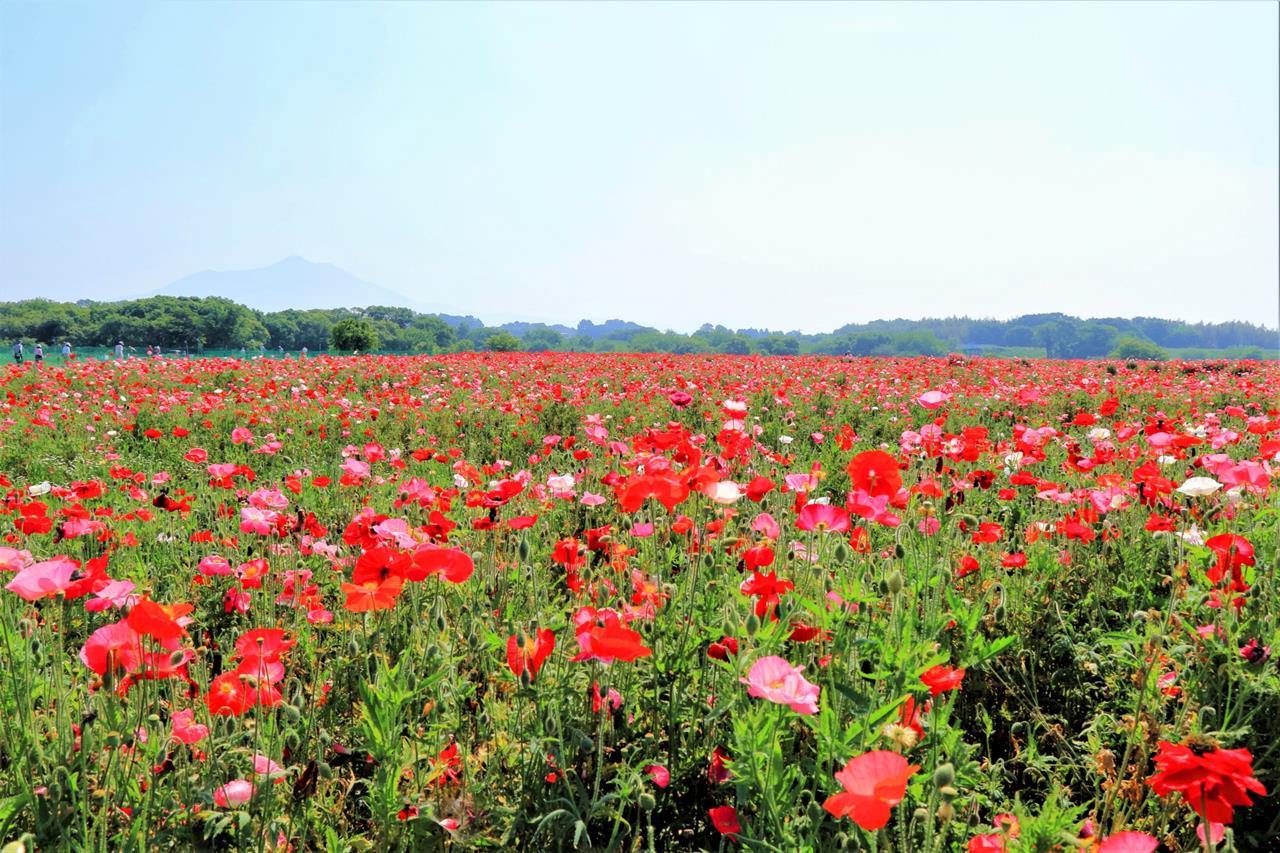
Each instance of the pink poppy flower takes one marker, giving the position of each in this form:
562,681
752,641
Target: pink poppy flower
823,518
775,679
933,399
255,520
186,729
43,580
1129,842
234,794
659,774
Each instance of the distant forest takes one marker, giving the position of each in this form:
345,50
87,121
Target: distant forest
196,325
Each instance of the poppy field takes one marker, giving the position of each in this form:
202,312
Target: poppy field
639,602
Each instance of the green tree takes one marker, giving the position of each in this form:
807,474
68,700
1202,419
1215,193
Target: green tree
501,342
1131,347
353,334
541,340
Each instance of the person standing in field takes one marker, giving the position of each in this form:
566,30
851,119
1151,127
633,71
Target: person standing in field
304,352
119,350
66,351
39,353
17,352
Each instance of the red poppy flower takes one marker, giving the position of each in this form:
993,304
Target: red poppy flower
1234,552
874,783
372,595
529,654
941,678
602,636
453,564
725,819
1211,780
876,473
229,696
159,620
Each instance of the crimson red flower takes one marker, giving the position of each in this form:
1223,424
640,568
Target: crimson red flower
453,564
941,678
725,819
876,473
1234,552
159,620
874,783
1211,780
229,696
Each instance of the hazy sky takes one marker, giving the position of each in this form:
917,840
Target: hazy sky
782,166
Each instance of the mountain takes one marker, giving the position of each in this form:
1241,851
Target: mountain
292,283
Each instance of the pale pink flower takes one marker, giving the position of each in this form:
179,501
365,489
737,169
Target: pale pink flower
234,794
214,565
264,766
114,594
765,525
724,492
775,679
933,399
1129,842
255,520
42,580
186,729
12,560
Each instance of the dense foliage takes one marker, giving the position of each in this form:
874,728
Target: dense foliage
191,324
637,603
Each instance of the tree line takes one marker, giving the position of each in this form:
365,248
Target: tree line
193,324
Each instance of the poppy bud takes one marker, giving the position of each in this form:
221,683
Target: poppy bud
945,775
841,553
441,624
948,793
647,802
1000,613
895,582
586,744
815,812
753,624
523,549
291,713
526,678
883,587
177,658
921,814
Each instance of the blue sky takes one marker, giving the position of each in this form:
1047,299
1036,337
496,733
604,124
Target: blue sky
783,166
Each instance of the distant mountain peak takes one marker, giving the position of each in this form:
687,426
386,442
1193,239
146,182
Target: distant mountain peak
294,282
